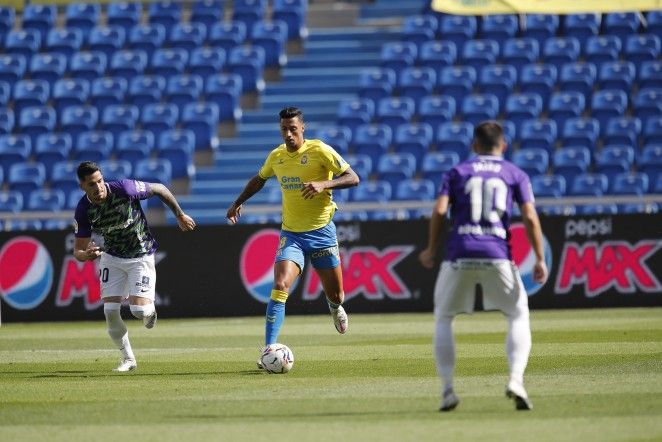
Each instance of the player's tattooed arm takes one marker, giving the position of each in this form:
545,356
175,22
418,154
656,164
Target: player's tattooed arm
184,221
253,186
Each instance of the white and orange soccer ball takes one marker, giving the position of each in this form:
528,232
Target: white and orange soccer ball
277,358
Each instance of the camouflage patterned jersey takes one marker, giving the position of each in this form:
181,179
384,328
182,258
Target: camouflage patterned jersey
119,219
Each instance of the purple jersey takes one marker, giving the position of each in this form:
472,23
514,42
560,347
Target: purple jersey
481,193
119,219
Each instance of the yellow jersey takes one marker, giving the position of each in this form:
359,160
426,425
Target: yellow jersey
314,161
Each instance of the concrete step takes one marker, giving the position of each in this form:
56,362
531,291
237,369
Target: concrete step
324,113
327,87
366,60
322,74
353,33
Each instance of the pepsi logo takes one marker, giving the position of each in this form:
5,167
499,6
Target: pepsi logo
257,263
525,257
27,272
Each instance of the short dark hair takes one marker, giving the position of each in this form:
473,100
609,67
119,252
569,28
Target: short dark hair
86,168
291,112
488,136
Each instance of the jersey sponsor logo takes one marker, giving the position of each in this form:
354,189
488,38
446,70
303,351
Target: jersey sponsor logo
611,264
291,183
525,258
27,272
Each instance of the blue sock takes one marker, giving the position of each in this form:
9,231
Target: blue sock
274,321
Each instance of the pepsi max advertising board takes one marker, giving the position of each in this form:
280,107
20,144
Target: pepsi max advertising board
217,271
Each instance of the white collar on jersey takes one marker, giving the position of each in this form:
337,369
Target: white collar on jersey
491,157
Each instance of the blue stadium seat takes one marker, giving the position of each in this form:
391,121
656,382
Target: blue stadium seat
560,50
498,80
118,118
598,209
225,91
206,62
177,146
398,55
83,16
639,48
135,145
7,120
417,83
652,133
124,14
107,39
479,107
361,164
169,62
650,163
88,65
571,161
607,104
437,54
93,146
419,29
108,91
189,36
14,149
272,37
26,177
373,191
648,103
154,170
65,41
372,140
658,185
128,64
249,11
394,111
538,134
63,177
183,89
582,26
602,49
7,17
40,18
337,137
293,13
77,119
11,201
147,38
457,28
621,24
578,77
413,138
455,137
52,148
415,190
25,42
581,132
49,67
46,200
650,74
70,92
533,161
654,19
612,160
548,186
457,81
201,119
395,167
146,89
248,63
479,53
566,105
227,35
499,27
523,106
165,13
115,170
354,112
622,130
541,27
376,84
435,109
157,118
436,164
617,75
629,184
30,93
540,79
589,184
520,51
207,12
638,208
12,68
37,120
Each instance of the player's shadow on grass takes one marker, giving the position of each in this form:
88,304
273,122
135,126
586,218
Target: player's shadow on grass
97,374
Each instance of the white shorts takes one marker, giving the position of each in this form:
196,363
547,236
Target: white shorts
127,276
455,290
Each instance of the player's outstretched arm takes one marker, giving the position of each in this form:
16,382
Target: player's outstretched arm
185,222
253,186
437,221
86,250
347,179
534,233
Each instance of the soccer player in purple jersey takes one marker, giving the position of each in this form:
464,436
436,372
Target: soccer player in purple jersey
126,267
480,194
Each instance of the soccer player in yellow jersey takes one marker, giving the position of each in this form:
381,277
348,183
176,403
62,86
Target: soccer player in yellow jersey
305,170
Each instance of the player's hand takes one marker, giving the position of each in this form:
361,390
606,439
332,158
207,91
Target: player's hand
92,251
540,272
426,258
185,222
311,189
234,213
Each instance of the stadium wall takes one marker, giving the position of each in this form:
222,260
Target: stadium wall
217,271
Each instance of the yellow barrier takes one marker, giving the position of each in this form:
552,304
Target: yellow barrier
480,7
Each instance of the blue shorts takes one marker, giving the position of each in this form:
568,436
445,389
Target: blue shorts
320,245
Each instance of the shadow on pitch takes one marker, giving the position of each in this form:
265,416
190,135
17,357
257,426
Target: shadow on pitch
110,373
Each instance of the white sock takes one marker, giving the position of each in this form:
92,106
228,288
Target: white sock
142,311
117,329
518,344
444,349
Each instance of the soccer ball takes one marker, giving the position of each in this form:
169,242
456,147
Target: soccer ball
277,358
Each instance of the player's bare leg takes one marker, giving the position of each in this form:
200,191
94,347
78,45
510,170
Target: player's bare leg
143,308
332,283
118,333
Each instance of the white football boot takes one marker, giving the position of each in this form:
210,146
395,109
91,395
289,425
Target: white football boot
150,321
515,390
126,365
340,319
449,401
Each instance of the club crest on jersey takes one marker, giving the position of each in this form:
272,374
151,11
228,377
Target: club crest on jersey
304,159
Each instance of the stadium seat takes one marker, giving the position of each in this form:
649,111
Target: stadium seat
147,38
419,29
479,53
650,74
538,134
337,137
249,11
548,186
165,13
169,62
376,84
354,112
128,64
115,170
658,185
26,177
647,103
398,55
479,107
157,118
77,119
361,164
607,104
457,28
612,160
7,17
533,161
413,138
66,41
581,132
118,118
638,208
652,133
601,49
654,22
25,42
372,140
11,201
70,92
455,137
83,16
435,110
578,77
373,191
437,54
539,79
63,177
622,130
518,52
52,148
154,170
649,162
225,91
201,119
293,13
523,106
206,62
394,167
207,12
136,145
12,68
107,39
248,63
581,26
561,50
499,27
30,93
124,14
417,83
566,105
7,120
108,91
621,24
87,65
639,48
227,35
177,146
457,81
394,111
629,184
541,27
40,18
145,89
183,89
436,164
49,67
589,184
189,36
272,37
571,161
498,80
93,146
14,149
415,190
46,200
617,75
598,209
37,120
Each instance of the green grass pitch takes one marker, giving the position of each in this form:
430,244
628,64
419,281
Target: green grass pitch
593,375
